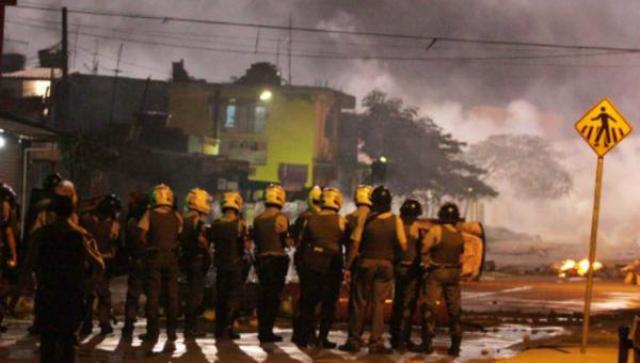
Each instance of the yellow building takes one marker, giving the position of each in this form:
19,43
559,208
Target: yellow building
289,134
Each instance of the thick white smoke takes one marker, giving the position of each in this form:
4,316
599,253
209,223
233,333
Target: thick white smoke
567,219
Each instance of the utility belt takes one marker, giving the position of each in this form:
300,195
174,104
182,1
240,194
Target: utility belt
388,259
407,263
435,266
271,254
319,259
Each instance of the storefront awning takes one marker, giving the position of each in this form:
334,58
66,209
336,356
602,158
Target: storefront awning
24,128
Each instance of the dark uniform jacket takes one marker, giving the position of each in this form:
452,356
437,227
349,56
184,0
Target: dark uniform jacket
443,246
193,236
63,267
323,239
269,233
379,238
105,231
228,236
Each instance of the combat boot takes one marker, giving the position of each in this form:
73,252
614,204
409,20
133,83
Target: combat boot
425,347
350,347
454,350
322,341
127,329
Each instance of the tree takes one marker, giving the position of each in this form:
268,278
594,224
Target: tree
84,155
528,163
420,155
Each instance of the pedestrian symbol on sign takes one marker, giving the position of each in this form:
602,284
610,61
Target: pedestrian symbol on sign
603,127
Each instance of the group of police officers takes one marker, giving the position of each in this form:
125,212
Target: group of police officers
370,250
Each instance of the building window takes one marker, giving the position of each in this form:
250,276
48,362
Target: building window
259,118
230,117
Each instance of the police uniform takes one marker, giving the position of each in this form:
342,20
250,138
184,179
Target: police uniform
162,226
54,187
408,273
229,235
442,250
323,240
196,259
137,272
381,235
66,258
106,232
296,230
272,263
8,232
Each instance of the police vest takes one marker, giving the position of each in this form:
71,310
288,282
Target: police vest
228,243
101,232
298,225
266,238
163,231
449,250
323,232
379,239
133,244
191,232
410,255
61,257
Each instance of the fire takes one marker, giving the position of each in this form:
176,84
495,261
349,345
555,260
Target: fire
579,268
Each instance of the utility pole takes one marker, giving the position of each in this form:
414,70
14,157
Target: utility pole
289,47
278,53
62,97
75,47
115,83
3,4
95,63
65,46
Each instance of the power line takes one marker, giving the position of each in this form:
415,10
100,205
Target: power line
16,41
337,56
375,34
206,38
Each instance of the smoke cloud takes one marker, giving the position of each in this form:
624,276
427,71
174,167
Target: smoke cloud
472,100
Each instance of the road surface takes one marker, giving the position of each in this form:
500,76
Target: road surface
492,297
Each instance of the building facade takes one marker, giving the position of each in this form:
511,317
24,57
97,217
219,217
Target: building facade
288,134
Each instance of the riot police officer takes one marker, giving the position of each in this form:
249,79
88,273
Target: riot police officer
442,250
138,204
39,212
375,242
160,228
54,187
196,256
8,245
313,207
362,199
408,273
67,256
270,235
230,237
324,235
102,223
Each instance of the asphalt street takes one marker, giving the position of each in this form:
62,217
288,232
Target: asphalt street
493,297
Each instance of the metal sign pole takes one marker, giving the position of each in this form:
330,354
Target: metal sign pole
592,255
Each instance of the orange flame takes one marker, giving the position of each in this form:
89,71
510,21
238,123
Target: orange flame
581,268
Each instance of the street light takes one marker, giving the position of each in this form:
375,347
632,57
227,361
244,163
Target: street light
266,95
383,159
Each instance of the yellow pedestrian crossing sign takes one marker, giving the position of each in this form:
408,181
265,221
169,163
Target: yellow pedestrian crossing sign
603,127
